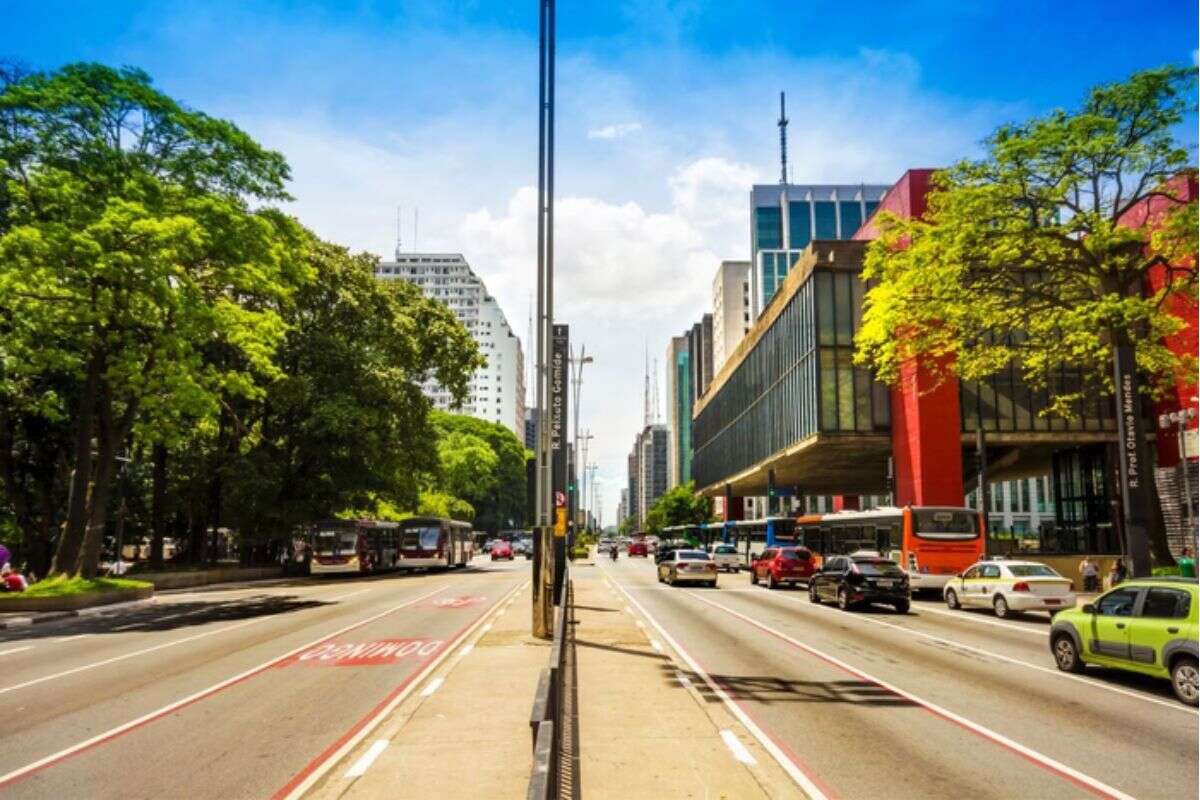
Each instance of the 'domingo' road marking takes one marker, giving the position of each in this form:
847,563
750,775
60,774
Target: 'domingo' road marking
1041,759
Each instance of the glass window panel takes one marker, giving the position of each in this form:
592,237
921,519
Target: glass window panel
799,224
987,405
968,397
881,403
858,289
845,318
862,398
768,228
825,214
845,371
851,218
825,307
871,206
829,415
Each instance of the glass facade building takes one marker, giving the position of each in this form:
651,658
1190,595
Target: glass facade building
785,218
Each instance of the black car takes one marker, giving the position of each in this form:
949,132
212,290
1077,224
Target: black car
857,580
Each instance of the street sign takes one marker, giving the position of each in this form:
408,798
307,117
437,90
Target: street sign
560,500
560,522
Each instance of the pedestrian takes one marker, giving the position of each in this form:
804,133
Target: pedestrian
1117,574
1090,574
13,581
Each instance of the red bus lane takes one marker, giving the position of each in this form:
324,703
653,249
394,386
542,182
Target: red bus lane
296,702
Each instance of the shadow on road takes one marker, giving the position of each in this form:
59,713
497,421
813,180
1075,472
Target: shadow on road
768,689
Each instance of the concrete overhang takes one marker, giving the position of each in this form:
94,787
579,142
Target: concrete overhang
824,463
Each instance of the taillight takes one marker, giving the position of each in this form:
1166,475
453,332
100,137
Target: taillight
712,567
1020,586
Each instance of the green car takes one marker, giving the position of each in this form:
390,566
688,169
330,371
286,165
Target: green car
1146,625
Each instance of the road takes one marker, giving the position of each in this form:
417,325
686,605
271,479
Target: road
235,692
928,704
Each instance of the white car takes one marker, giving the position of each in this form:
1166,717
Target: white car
1008,586
725,556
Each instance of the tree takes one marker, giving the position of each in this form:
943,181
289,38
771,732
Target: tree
679,506
498,498
1027,257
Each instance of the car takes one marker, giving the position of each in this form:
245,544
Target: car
780,566
604,545
859,580
1008,586
487,546
1145,625
726,557
502,549
688,566
639,549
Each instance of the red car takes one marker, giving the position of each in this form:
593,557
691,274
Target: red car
502,550
781,565
639,549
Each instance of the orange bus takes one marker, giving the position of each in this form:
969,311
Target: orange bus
931,543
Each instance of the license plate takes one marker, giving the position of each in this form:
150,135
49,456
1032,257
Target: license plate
1051,602
885,584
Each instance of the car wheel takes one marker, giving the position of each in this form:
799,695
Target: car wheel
1001,606
712,585
771,584
1066,655
753,578
902,606
670,579
952,600
1185,680
843,600
813,597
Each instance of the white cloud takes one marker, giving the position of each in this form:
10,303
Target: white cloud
617,131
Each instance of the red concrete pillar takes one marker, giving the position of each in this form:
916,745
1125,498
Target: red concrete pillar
846,502
926,439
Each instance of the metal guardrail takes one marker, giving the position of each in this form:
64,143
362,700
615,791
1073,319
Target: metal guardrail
547,722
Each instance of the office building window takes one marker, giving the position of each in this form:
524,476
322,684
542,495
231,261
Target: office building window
825,214
851,218
768,228
799,224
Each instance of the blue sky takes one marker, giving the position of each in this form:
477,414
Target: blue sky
666,117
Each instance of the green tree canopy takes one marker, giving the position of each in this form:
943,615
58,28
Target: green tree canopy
494,485
679,506
1026,256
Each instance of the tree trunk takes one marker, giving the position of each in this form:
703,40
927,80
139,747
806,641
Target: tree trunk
89,561
158,503
66,557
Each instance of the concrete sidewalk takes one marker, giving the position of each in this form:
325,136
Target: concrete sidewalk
642,732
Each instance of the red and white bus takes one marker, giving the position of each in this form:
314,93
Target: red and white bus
931,543
355,546
433,542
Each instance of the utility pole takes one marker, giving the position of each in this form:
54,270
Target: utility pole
577,365
581,457
543,565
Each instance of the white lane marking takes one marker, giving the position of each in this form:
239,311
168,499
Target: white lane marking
368,758
735,745
216,687
640,624
346,596
655,644
134,654
789,765
72,638
684,680
302,788
1001,657
432,687
488,627
1050,764
16,650
466,649
967,615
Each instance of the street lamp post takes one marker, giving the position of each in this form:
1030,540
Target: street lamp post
576,365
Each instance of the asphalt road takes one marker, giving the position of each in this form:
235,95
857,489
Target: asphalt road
928,704
235,692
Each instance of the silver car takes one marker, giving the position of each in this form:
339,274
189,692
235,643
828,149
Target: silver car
726,557
683,566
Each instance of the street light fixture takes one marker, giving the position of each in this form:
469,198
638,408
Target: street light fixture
1179,420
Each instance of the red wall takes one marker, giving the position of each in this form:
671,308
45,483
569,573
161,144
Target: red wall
907,199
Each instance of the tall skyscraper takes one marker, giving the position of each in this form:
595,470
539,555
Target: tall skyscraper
785,217
647,471
679,411
496,391
731,309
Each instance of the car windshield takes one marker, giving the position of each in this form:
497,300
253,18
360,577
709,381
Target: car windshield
794,555
691,555
1032,571
726,548
883,568
420,538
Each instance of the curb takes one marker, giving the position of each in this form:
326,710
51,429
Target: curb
96,611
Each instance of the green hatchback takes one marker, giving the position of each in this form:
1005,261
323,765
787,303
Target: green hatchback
1146,625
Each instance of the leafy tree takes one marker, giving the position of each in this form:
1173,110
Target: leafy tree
679,506
1027,256
468,464
497,499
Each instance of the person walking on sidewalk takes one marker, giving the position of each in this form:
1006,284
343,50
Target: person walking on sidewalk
1117,575
1090,574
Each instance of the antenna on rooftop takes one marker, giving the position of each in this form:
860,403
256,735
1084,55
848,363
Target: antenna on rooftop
783,122
397,233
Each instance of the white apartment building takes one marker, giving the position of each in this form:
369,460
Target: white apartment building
496,392
731,309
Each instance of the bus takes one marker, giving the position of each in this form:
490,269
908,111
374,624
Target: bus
435,542
358,546
931,543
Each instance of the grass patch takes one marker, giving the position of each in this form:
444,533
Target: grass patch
61,586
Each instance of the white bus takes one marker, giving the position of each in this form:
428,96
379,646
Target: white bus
434,542
355,546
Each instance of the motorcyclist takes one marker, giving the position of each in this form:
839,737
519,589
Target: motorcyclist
612,550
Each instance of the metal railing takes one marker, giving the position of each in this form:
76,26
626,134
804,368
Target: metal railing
550,720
